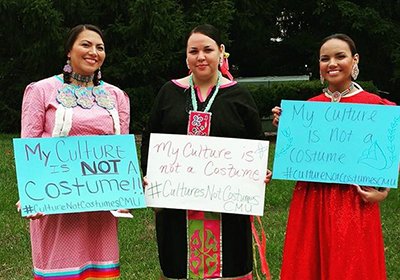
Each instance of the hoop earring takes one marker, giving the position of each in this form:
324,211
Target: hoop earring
355,71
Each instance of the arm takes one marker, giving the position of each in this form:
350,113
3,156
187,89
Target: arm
124,118
32,123
124,112
251,117
33,112
369,194
253,121
153,125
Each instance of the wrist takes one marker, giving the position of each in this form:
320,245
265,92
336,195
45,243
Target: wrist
385,193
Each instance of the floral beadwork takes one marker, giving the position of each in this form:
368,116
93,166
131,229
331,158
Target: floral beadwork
66,96
85,98
103,98
71,96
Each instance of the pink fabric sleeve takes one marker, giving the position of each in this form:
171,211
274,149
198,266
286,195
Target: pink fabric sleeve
32,112
124,111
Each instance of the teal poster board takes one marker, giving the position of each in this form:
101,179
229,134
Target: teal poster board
78,174
342,143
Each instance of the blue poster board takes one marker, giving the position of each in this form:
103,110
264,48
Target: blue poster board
342,143
78,174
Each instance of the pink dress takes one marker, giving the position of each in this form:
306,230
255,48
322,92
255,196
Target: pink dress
78,245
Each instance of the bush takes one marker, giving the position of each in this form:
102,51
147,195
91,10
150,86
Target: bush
141,101
10,119
270,95
142,98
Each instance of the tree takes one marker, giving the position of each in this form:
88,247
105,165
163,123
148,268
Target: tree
252,29
29,50
373,25
146,41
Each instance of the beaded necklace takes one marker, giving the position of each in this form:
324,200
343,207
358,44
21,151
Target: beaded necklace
82,78
72,95
336,95
193,94
199,122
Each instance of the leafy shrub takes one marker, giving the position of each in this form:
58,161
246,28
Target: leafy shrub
141,101
270,95
142,98
9,119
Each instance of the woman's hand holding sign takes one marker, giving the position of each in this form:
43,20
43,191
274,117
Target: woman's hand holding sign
276,111
370,194
29,217
268,177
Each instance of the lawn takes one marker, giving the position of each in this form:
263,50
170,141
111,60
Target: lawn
137,236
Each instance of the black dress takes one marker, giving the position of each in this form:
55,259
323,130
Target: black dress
234,115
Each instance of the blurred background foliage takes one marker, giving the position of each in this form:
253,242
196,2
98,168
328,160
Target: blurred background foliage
145,44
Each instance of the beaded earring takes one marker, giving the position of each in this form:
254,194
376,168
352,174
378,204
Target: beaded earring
67,67
224,66
355,71
99,75
321,78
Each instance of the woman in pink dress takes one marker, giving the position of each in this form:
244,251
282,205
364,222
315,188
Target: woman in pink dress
334,231
77,102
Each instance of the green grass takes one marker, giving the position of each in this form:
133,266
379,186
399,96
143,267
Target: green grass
138,248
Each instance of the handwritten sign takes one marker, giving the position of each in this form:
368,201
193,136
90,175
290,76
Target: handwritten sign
207,173
78,174
338,143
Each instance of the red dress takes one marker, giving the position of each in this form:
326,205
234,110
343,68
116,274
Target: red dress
332,234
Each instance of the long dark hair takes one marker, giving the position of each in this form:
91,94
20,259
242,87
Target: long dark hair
71,38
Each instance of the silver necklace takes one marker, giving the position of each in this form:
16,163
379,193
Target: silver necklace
82,78
337,95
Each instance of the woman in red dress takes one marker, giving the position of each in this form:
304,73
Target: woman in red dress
334,231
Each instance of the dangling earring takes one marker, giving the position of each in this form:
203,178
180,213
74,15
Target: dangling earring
355,71
67,67
224,66
321,78
99,75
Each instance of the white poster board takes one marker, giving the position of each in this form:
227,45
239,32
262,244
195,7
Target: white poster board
207,173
